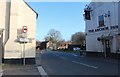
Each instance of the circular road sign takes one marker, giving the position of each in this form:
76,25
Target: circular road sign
24,29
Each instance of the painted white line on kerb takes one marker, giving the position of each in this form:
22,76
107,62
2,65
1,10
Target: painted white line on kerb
42,71
85,64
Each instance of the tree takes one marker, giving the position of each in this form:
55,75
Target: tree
78,38
55,37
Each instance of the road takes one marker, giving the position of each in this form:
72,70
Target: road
63,63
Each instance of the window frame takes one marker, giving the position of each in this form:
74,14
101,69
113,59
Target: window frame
101,21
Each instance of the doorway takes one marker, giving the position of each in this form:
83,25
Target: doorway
107,48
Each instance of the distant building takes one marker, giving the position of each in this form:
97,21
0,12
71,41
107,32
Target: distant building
13,16
103,28
38,43
64,45
49,45
43,45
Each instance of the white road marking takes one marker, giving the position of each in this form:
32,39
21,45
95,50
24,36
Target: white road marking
74,54
85,64
42,71
60,56
55,54
82,56
63,58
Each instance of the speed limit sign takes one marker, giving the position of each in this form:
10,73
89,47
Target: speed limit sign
24,29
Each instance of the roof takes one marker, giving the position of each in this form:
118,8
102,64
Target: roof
31,8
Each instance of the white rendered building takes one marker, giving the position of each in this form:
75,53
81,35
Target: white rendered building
13,16
102,28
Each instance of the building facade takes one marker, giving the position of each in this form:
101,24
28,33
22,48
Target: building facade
102,28
64,45
13,16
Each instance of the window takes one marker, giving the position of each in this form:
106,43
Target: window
101,21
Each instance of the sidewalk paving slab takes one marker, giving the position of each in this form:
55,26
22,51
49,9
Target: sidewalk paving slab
20,70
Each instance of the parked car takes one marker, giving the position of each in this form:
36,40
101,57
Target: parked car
76,48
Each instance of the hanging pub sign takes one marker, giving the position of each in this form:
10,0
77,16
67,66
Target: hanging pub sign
87,14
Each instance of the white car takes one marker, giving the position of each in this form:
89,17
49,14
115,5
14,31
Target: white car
76,48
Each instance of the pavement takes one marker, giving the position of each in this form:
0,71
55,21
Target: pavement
10,70
20,70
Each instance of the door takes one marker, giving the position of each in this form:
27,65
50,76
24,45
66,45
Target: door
107,48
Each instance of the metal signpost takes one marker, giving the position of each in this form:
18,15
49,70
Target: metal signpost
24,53
24,30
23,39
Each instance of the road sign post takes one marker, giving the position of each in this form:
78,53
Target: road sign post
24,53
24,40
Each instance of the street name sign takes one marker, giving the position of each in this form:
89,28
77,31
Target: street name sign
23,40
